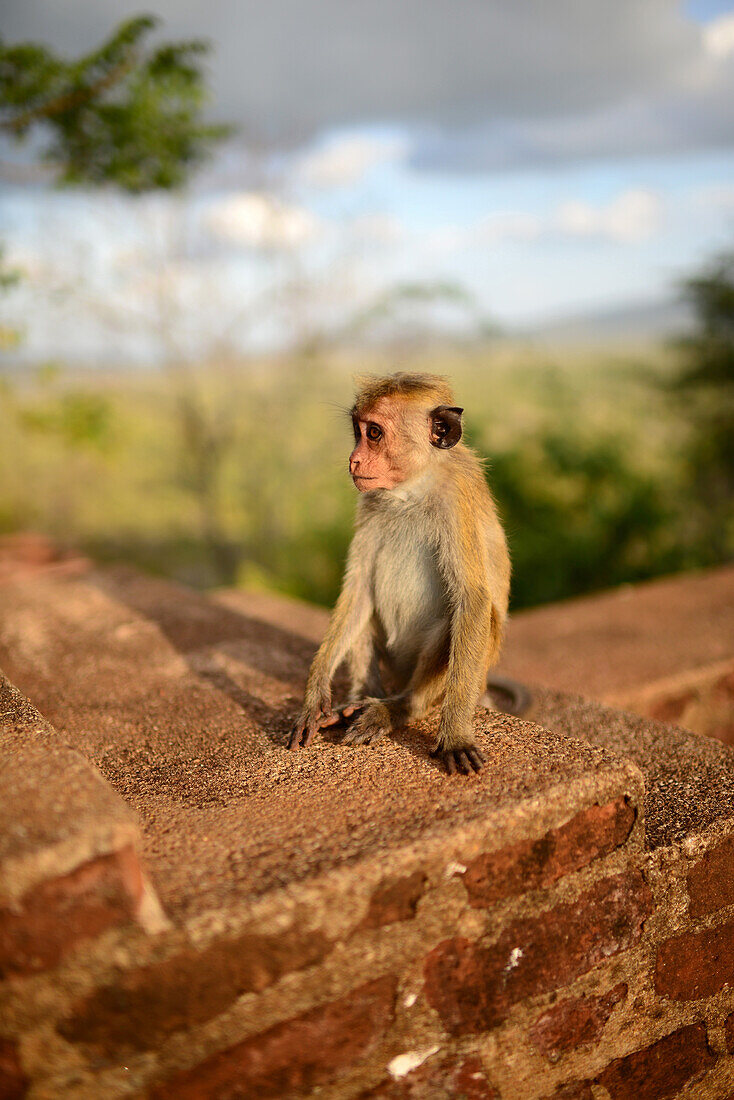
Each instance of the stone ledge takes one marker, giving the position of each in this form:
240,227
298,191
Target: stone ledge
62,831
689,779
185,706
335,885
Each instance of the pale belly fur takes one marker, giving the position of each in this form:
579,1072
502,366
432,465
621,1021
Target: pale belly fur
408,595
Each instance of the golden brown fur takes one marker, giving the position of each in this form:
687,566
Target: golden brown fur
425,592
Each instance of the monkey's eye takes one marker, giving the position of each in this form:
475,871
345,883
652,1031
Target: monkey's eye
374,433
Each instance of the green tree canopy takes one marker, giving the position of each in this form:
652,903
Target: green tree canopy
705,383
127,114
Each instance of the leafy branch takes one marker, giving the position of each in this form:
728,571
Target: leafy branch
125,114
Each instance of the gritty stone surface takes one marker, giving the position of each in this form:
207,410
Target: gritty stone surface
185,707
460,1077
294,616
147,1004
575,1021
696,964
296,1055
610,646
605,646
662,1069
472,985
54,917
711,880
592,833
50,796
689,780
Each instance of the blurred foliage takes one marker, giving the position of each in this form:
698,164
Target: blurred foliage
78,419
9,277
579,516
126,114
589,461
704,384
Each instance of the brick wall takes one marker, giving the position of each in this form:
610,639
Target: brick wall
572,939
567,964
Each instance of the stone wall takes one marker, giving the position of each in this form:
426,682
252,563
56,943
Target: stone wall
563,927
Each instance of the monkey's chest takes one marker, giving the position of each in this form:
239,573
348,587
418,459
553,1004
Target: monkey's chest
408,592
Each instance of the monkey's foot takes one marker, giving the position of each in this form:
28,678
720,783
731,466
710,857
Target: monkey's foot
307,725
466,759
369,726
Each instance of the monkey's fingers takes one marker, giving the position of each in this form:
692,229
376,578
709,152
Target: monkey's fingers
467,759
340,715
302,734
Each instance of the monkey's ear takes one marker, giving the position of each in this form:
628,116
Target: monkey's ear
446,426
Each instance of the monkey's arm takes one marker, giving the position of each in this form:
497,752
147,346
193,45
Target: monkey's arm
349,618
475,631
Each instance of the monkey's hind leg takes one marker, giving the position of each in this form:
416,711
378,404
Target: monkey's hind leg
375,718
425,688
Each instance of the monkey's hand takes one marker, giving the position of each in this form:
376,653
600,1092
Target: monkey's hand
315,715
319,717
466,758
370,725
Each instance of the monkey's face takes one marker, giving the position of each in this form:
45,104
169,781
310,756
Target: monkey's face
386,450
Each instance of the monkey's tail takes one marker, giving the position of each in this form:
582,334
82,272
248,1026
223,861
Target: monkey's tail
508,695
503,693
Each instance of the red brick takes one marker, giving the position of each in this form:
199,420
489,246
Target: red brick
574,1021
146,1004
659,1070
711,880
532,864
472,986
729,1032
298,1054
461,1078
695,964
53,918
13,1082
394,900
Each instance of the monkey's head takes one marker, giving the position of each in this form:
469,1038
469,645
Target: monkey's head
400,423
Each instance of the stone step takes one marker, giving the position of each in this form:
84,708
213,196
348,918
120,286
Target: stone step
347,923
185,706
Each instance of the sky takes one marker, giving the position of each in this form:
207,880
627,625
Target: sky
549,158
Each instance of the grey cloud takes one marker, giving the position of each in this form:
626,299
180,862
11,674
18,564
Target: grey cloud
484,83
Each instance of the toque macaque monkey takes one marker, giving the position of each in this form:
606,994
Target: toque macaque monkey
424,598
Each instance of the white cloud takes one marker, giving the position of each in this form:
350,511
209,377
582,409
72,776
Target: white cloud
346,160
381,229
511,225
719,197
261,221
718,36
632,216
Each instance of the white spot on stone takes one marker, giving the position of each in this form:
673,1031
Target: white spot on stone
515,956
410,1000
406,1063
454,868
